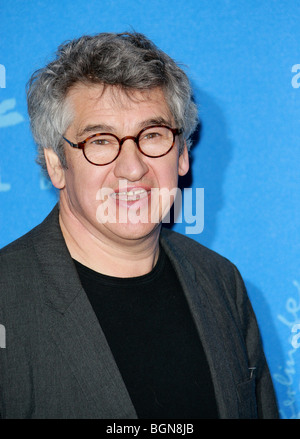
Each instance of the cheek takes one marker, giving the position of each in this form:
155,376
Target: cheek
167,174
82,185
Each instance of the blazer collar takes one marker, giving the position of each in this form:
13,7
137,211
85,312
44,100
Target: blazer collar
75,330
62,284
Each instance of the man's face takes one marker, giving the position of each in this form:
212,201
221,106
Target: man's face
91,193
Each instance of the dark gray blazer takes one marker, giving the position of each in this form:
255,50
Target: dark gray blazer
57,363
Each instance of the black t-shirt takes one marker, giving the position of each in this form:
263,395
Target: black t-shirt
152,335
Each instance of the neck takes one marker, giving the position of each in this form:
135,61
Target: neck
108,254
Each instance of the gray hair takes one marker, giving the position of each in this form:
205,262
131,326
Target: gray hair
128,60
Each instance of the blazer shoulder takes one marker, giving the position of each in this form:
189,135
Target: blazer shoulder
25,242
19,245
20,270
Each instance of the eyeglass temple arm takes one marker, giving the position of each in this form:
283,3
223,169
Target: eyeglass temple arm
74,145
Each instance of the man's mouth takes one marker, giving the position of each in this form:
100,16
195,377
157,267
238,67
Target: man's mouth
131,195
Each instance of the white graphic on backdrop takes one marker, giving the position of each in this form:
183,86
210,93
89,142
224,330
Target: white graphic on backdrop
45,183
289,376
4,187
2,76
296,338
7,117
295,78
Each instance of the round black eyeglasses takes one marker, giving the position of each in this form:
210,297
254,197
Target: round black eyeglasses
103,148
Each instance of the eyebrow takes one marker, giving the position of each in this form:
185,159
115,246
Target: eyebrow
90,129
155,121
98,128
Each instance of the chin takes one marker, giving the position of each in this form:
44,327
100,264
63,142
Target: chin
134,231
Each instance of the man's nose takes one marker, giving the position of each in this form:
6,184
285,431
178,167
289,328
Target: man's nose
130,164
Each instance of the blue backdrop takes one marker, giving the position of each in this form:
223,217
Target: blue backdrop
243,58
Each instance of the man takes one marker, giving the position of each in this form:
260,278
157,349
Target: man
106,314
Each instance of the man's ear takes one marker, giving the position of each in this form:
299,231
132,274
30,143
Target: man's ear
54,168
183,162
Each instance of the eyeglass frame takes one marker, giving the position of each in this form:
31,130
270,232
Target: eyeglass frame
81,145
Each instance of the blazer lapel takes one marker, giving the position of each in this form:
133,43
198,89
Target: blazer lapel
206,319
75,328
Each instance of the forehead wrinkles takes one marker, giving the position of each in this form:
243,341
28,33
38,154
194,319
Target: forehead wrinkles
124,98
116,96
